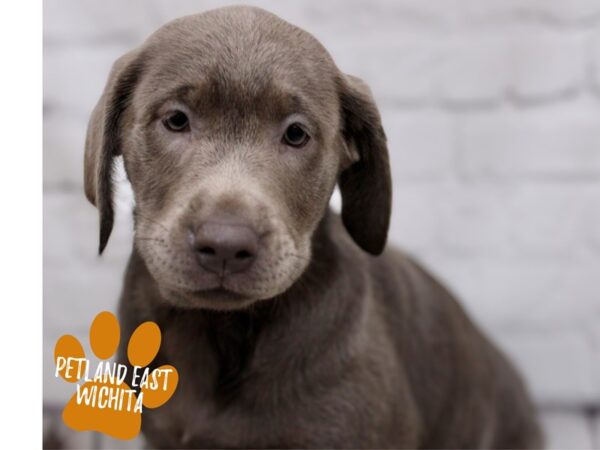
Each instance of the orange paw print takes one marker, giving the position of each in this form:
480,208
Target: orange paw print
104,402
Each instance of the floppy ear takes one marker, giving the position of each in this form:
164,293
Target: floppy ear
103,140
366,185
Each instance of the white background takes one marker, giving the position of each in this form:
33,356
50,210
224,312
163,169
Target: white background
492,109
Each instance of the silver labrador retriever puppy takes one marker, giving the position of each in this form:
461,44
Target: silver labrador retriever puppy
286,328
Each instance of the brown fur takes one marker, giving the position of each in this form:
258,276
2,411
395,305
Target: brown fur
319,343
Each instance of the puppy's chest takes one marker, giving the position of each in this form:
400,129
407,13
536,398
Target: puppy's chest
232,394
260,415
215,410
216,386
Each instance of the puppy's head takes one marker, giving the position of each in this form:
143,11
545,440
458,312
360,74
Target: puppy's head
234,128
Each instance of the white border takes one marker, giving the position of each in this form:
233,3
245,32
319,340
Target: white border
21,219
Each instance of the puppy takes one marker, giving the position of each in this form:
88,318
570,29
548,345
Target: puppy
287,328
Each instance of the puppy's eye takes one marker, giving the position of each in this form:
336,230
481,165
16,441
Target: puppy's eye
177,121
295,136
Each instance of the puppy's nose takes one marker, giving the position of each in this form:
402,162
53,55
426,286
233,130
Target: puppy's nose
225,248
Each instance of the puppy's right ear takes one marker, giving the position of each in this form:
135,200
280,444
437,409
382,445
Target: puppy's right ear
366,184
103,140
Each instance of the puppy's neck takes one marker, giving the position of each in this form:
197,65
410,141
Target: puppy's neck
234,335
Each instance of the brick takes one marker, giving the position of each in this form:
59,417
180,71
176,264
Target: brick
592,218
594,48
78,283
77,293
413,224
547,65
551,220
338,16
514,255
355,16
75,76
507,12
475,69
553,143
572,12
399,70
420,144
298,13
473,220
556,365
71,225
56,391
566,429
519,292
593,325
75,21
64,143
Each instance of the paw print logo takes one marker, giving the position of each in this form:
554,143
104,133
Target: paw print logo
103,401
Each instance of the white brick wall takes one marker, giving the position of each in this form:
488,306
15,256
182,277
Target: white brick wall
554,141
547,64
492,109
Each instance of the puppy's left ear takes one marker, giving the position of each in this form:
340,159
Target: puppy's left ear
366,183
103,140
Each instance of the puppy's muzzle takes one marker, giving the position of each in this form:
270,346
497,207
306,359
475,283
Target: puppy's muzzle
225,248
